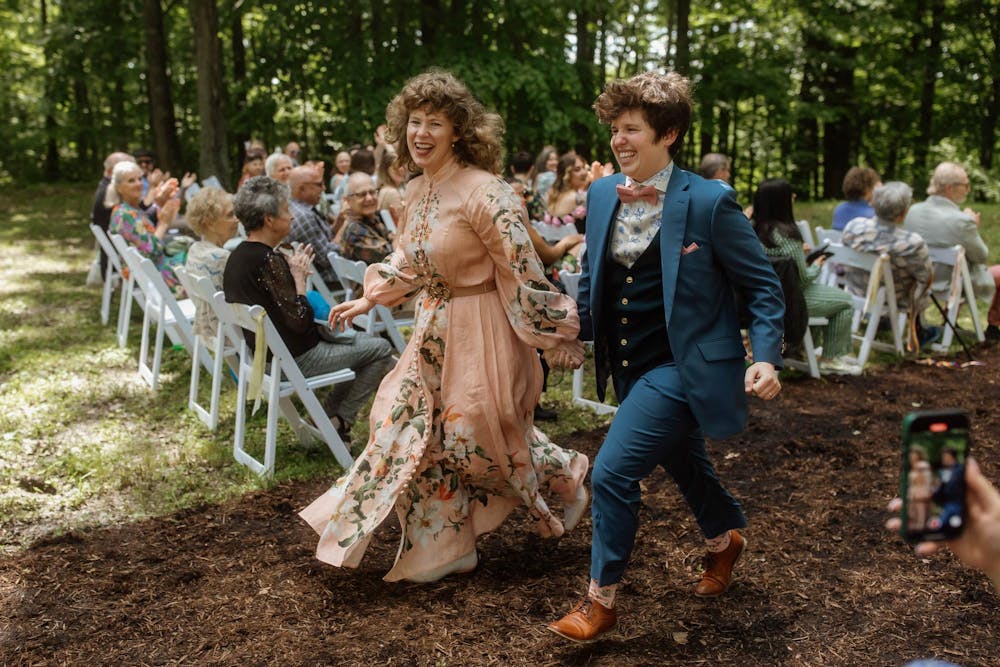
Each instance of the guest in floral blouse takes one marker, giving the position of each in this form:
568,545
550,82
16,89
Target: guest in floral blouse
210,215
135,226
568,197
365,236
453,449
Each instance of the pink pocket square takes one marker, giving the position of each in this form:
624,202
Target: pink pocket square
689,248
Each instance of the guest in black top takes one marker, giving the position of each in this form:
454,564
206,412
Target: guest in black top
258,274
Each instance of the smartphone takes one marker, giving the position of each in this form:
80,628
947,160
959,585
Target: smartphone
932,481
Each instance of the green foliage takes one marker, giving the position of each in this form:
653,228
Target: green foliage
795,88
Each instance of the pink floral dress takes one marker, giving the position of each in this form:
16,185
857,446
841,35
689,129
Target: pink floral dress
453,448
140,233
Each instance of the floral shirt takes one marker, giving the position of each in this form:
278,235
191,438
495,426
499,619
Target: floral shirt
638,222
205,259
911,263
140,233
365,239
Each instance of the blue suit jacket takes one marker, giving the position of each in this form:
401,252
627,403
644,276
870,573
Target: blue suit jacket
702,323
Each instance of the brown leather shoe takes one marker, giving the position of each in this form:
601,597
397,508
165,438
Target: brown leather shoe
588,621
718,572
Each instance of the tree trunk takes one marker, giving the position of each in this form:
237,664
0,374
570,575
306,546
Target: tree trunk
213,158
161,104
242,134
925,121
51,127
683,59
987,135
838,133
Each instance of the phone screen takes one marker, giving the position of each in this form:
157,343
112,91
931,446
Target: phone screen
933,480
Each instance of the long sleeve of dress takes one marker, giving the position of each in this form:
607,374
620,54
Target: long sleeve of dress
390,283
540,315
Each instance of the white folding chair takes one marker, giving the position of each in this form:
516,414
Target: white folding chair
806,233
283,380
131,290
222,347
552,233
352,277
387,220
571,281
879,300
828,274
172,318
952,281
114,268
811,364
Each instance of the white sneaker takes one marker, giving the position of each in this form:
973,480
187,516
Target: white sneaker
466,563
841,366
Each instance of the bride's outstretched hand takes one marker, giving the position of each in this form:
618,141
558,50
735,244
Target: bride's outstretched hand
342,315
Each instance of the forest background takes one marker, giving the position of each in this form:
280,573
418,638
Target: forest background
796,88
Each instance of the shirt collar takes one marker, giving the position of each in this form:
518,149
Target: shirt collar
659,180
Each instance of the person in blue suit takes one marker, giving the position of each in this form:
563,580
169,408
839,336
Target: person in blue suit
666,250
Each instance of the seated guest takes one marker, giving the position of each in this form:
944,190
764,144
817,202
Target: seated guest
774,222
124,197
278,166
364,236
942,224
292,150
253,165
309,225
859,182
391,184
258,274
100,214
521,168
210,215
567,197
545,171
341,167
715,166
911,264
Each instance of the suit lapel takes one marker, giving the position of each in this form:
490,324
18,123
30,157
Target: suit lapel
600,222
672,231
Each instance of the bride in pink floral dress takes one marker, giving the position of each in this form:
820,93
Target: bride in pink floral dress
452,447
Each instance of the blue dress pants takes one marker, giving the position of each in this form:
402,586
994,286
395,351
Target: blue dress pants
654,426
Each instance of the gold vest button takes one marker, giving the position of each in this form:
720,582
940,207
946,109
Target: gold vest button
629,280
624,342
624,301
625,363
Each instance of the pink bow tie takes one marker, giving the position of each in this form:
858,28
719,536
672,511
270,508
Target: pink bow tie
647,193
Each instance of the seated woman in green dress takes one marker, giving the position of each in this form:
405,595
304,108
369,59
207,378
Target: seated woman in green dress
774,222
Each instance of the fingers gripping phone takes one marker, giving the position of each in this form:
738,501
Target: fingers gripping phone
932,482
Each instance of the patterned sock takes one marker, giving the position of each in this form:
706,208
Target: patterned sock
717,544
603,595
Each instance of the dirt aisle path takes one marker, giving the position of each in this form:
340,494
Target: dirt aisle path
822,585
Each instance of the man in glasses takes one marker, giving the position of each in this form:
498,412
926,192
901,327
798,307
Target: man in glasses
365,236
942,223
309,225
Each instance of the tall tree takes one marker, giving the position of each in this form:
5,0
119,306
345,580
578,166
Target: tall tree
161,103
930,18
51,127
213,154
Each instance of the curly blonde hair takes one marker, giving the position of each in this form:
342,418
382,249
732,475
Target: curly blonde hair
663,99
480,132
207,206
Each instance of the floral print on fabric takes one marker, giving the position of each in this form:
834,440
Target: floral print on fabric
140,233
452,447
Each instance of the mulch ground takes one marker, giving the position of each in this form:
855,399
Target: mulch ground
821,584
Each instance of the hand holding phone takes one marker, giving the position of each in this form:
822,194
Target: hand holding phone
932,481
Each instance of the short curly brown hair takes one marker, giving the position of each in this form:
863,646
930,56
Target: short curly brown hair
480,132
859,181
664,99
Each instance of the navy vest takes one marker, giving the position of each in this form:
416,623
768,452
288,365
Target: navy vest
637,335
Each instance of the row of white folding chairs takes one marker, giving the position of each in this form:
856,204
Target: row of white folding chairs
172,319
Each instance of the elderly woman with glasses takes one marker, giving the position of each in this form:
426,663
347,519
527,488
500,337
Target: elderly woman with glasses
257,273
137,226
453,448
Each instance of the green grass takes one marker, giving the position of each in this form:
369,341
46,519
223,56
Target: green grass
83,441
